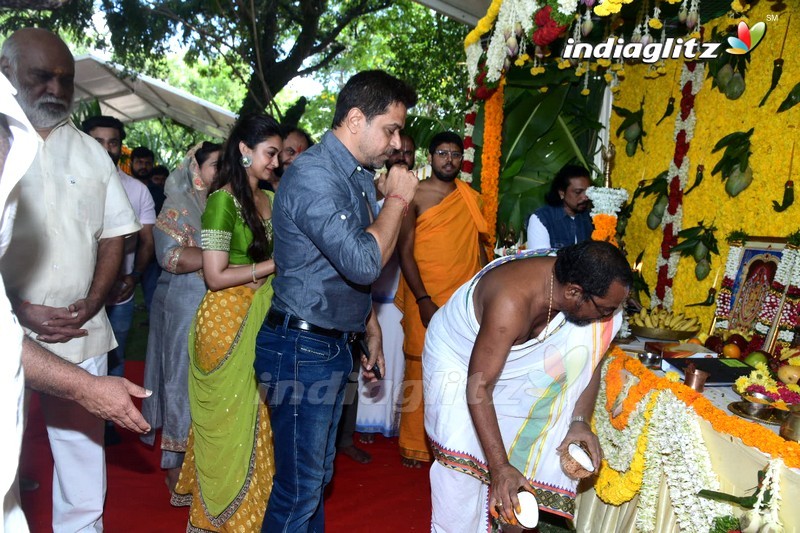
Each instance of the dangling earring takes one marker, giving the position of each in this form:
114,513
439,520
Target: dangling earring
246,161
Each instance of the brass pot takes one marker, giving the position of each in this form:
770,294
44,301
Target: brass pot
790,429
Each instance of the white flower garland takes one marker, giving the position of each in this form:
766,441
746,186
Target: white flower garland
787,267
567,7
620,446
474,52
605,200
686,464
675,451
513,14
769,512
676,219
735,255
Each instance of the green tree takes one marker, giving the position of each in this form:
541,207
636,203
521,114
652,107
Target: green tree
265,43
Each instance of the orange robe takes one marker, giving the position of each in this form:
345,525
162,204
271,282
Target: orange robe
447,253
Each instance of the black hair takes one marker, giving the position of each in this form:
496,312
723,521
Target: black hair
561,182
593,265
142,152
445,137
372,92
103,121
304,133
251,130
204,152
160,170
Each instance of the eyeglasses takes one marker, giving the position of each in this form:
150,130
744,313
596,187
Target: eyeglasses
455,156
604,311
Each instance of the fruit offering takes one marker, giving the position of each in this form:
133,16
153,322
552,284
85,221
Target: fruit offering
660,318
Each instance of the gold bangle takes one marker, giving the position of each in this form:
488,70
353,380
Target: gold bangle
253,271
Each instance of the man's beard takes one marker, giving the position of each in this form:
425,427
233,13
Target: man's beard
572,319
46,112
141,176
444,176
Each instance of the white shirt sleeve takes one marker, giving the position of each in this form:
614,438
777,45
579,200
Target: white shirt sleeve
538,236
119,217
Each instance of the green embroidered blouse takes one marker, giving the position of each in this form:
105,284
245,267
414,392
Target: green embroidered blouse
224,228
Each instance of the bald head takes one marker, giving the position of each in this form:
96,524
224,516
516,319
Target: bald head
41,67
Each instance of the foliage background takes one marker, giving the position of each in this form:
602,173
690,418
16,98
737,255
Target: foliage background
402,37
717,116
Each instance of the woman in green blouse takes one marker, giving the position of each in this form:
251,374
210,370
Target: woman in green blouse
227,471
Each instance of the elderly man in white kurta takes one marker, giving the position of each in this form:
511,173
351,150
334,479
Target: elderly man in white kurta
64,255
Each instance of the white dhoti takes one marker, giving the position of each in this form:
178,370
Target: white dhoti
534,398
79,469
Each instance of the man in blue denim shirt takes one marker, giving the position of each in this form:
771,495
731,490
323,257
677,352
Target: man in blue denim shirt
329,248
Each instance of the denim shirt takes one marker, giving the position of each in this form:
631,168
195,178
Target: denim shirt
565,230
324,258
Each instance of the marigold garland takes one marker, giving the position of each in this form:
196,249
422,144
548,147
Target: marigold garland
484,25
490,157
605,228
751,434
615,487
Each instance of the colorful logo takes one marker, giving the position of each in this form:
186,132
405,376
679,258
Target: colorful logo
748,38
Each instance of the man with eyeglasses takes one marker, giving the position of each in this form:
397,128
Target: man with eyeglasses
512,371
441,245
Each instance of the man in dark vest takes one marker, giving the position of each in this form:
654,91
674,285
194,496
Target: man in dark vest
565,219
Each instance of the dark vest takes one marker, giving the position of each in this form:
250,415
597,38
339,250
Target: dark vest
563,229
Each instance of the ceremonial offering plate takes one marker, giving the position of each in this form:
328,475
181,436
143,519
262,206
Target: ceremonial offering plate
663,334
758,412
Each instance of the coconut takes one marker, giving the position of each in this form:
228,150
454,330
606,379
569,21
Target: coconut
576,462
528,515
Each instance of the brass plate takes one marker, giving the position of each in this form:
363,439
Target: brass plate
769,418
663,334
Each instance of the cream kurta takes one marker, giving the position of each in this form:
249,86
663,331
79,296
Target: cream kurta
70,198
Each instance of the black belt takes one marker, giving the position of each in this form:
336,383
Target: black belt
277,318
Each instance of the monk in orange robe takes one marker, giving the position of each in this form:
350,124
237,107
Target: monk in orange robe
441,246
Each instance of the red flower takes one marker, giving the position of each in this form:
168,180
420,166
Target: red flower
548,29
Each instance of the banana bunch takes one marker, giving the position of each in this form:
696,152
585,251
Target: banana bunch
660,318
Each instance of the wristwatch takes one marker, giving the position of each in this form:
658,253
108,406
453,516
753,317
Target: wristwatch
578,418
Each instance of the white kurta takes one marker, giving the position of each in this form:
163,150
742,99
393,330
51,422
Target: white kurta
19,158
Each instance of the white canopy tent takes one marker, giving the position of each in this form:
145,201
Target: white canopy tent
467,11
132,97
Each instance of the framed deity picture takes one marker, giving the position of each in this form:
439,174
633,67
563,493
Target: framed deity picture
748,301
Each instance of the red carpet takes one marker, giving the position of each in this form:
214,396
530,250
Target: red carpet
380,496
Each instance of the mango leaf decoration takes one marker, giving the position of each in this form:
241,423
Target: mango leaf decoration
791,99
632,128
735,162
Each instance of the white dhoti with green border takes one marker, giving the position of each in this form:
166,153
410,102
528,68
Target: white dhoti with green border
534,398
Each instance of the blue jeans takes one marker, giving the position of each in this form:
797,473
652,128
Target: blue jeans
304,375
121,318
